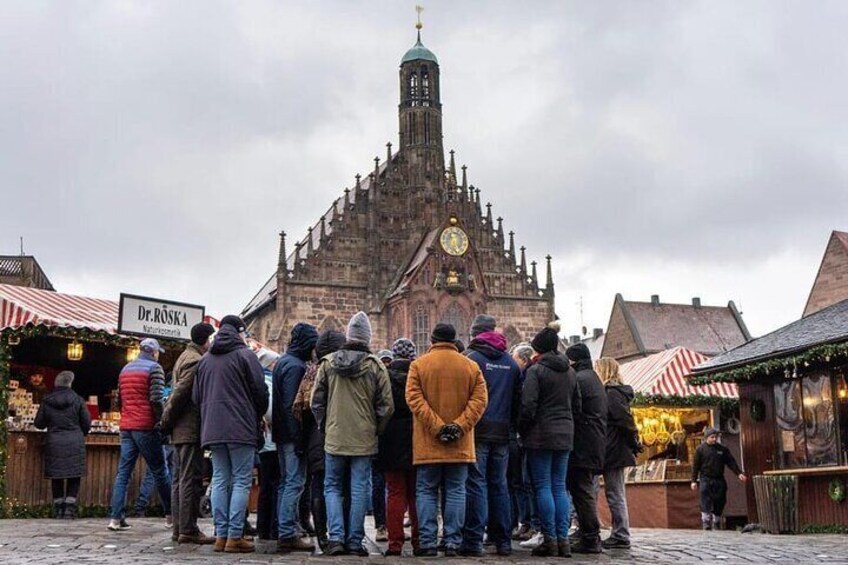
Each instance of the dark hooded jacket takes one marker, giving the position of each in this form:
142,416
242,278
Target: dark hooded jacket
550,402
288,372
67,420
352,401
396,442
622,435
590,433
503,381
230,391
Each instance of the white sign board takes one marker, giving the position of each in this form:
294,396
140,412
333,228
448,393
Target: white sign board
151,317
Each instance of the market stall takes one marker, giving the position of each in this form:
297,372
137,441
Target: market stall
671,417
793,389
41,334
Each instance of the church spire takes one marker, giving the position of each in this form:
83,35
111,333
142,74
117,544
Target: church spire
534,276
550,285
309,246
500,231
323,237
523,261
512,244
489,216
281,258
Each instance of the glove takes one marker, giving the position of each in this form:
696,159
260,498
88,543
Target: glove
449,433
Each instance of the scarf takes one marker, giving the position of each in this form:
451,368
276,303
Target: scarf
303,398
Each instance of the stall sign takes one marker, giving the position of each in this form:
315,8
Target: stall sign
153,317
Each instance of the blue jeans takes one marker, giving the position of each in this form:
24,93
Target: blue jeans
232,474
335,467
292,481
531,516
149,445
429,478
488,501
548,469
148,483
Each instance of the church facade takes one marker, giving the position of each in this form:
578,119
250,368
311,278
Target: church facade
411,244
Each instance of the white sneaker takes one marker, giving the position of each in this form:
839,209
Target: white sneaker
533,542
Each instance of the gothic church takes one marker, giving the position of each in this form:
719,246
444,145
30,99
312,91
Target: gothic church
410,244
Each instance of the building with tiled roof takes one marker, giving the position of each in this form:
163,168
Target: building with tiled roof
23,270
639,329
411,244
831,284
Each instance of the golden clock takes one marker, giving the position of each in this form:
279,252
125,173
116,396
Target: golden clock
454,241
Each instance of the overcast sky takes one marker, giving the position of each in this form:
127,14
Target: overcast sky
674,148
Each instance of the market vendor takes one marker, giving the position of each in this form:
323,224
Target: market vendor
708,469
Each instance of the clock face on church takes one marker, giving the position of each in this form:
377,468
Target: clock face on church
454,241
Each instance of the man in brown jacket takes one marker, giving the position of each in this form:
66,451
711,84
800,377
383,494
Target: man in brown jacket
181,419
447,396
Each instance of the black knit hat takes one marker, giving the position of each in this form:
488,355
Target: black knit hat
578,352
547,339
329,341
443,333
200,333
234,321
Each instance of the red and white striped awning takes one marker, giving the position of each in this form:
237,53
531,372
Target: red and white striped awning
664,373
22,306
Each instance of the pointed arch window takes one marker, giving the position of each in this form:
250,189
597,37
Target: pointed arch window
456,316
421,328
413,85
426,128
425,86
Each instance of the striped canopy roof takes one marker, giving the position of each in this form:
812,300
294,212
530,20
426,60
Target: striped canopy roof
664,373
21,306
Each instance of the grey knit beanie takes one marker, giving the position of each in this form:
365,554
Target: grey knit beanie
481,324
359,328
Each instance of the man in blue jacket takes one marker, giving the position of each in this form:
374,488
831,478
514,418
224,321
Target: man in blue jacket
488,499
286,433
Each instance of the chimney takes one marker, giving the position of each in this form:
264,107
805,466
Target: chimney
696,302
655,300
597,332
574,340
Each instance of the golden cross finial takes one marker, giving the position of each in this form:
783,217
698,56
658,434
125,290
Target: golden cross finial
419,9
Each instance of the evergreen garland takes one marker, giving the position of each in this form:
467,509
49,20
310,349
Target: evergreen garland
776,367
727,406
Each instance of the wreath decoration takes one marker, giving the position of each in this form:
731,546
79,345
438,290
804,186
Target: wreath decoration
836,490
732,426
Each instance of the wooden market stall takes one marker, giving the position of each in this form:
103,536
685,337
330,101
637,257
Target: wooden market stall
794,412
671,416
41,334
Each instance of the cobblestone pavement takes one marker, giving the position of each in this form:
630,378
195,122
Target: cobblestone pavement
27,542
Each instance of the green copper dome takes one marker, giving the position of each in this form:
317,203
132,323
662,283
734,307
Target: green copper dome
419,52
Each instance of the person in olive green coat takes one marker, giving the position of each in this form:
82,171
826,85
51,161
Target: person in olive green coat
352,403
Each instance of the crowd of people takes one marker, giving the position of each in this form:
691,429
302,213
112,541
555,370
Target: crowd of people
497,445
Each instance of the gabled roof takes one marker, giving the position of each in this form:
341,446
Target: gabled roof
664,374
826,326
709,330
21,306
418,259
827,288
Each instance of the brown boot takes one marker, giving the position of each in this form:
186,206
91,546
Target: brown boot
238,545
220,544
198,539
564,547
548,548
286,545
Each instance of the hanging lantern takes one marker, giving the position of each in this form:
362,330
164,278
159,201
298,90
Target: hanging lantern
74,351
132,353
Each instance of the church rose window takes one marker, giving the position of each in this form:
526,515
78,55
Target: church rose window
421,328
455,316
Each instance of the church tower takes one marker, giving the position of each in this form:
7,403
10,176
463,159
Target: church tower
420,120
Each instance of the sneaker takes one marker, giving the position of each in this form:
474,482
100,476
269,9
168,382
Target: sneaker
358,551
522,533
587,546
615,543
382,534
118,525
533,542
169,521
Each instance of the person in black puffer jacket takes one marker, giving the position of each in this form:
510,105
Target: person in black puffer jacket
622,446
590,441
67,420
395,456
328,343
550,402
